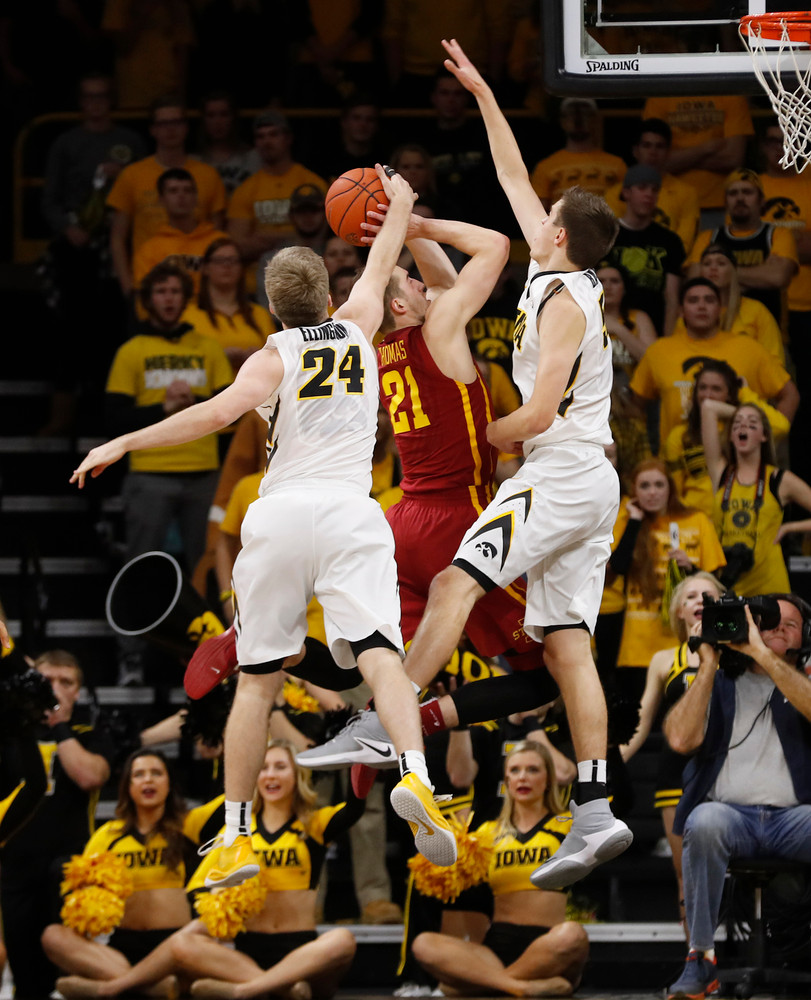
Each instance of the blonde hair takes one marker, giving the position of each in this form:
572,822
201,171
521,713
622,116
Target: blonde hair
678,626
297,286
304,795
552,800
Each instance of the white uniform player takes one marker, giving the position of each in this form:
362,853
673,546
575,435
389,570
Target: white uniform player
314,529
314,515
554,519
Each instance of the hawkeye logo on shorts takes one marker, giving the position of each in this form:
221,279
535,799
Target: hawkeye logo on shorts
503,525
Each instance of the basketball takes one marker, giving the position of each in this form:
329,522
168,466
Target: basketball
348,200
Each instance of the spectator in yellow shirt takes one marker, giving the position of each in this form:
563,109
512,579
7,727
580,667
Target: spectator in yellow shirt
137,211
183,237
677,204
259,211
667,367
581,161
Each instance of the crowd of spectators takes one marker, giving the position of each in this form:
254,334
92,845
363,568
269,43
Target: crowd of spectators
155,265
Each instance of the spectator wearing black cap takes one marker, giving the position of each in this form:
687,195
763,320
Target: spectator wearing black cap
309,230
582,161
765,254
677,204
259,211
651,254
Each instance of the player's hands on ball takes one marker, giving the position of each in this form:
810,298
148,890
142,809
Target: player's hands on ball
463,69
97,461
413,232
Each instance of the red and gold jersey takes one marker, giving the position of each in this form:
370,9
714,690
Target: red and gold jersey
441,424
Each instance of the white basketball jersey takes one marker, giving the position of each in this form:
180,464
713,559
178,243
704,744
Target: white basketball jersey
582,415
323,417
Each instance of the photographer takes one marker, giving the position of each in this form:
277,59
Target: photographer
747,790
750,494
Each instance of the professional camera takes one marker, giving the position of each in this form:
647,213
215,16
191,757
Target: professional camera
25,695
740,559
723,621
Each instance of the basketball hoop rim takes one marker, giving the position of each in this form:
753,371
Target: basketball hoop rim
796,24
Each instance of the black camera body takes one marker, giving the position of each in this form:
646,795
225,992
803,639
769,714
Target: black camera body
740,559
723,621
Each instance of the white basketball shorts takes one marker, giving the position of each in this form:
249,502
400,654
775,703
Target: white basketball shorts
552,521
324,541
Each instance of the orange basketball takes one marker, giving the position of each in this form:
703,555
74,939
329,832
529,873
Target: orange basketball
349,198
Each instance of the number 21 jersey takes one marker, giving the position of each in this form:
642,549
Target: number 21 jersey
440,424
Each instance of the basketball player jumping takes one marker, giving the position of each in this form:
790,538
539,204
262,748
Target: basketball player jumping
554,519
314,528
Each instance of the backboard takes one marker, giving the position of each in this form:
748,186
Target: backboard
636,48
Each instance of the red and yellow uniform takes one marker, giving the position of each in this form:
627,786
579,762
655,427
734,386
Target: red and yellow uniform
448,467
135,193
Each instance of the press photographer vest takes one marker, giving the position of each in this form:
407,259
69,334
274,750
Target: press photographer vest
793,730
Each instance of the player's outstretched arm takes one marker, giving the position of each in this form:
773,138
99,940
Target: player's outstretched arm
512,171
258,377
365,303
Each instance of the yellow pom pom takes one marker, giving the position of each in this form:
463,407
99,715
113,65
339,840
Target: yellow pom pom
224,912
297,698
107,870
92,911
472,862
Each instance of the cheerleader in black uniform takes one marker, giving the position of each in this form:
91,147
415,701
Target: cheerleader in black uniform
530,949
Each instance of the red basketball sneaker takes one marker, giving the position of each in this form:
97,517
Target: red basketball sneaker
213,661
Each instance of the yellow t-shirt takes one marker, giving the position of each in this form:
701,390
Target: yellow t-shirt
232,331
264,198
145,365
695,120
168,242
787,203
135,193
596,171
753,320
667,371
676,207
147,66
740,524
644,632
416,26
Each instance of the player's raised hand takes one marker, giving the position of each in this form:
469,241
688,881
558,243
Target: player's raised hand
394,184
98,459
374,226
463,69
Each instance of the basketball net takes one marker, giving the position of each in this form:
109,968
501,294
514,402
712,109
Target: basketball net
774,60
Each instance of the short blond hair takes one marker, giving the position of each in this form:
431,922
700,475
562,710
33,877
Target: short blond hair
297,286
